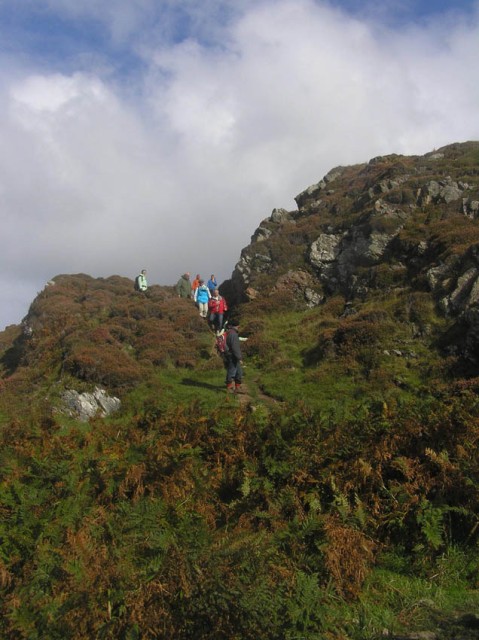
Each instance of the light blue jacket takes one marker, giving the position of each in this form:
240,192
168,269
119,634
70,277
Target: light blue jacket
202,294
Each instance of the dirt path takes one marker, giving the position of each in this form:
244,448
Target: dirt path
246,397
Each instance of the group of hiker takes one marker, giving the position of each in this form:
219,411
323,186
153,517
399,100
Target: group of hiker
212,306
210,303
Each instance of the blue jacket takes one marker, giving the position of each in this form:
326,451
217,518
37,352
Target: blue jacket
212,285
202,294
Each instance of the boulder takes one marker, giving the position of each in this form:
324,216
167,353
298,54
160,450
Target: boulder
435,192
436,274
261,234
470,208
87,405
280,216
325,249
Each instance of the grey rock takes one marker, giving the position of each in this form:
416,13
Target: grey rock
27,330
325,249
470,208
436,274
243,268
451,192
458,297
87,405
363,249
261,234
261,263
262,257
422,247
473,298
444,191
313,191
313,298
280,216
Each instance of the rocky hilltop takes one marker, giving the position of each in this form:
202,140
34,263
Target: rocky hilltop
90,339
393,223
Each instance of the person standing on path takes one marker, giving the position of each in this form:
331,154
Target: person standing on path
141,283
202,296
194,285
212,284
183,286
234,359
217,307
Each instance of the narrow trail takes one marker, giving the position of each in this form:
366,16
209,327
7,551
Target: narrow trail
250,389
248,397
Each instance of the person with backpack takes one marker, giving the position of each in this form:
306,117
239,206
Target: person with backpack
141,283
233,358
202,296
183,286
217,307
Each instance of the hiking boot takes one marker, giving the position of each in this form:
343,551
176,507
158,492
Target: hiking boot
237,388
229,387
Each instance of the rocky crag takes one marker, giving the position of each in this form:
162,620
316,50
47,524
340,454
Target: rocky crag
394,223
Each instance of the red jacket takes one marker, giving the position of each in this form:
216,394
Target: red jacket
217,305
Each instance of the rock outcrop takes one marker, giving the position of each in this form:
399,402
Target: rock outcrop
395,222
88,405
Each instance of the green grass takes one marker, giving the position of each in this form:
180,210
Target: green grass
169,387
399,600
406,602
395,368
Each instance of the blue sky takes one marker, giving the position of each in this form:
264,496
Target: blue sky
159,133
57,34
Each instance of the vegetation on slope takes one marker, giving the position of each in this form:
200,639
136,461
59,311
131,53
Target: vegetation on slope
336,498
235,523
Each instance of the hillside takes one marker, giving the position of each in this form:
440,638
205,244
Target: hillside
336,498
372,284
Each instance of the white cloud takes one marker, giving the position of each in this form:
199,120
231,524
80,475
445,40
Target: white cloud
176,172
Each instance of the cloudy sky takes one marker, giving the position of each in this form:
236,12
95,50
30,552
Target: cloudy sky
157,134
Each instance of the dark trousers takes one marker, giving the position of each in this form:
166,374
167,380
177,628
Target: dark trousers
233,370
216,319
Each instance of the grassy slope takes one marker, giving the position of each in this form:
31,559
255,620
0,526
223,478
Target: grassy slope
340,499
193,515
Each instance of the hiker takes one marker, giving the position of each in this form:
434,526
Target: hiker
212,284
202,296
217,307
233,359
195,284
141,283
183,286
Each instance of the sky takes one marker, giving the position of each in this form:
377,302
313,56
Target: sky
158,134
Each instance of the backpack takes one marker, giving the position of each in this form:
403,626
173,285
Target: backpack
220,344
137,283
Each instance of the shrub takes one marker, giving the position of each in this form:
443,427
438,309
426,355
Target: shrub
105,365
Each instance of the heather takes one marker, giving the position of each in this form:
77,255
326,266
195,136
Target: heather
335,498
